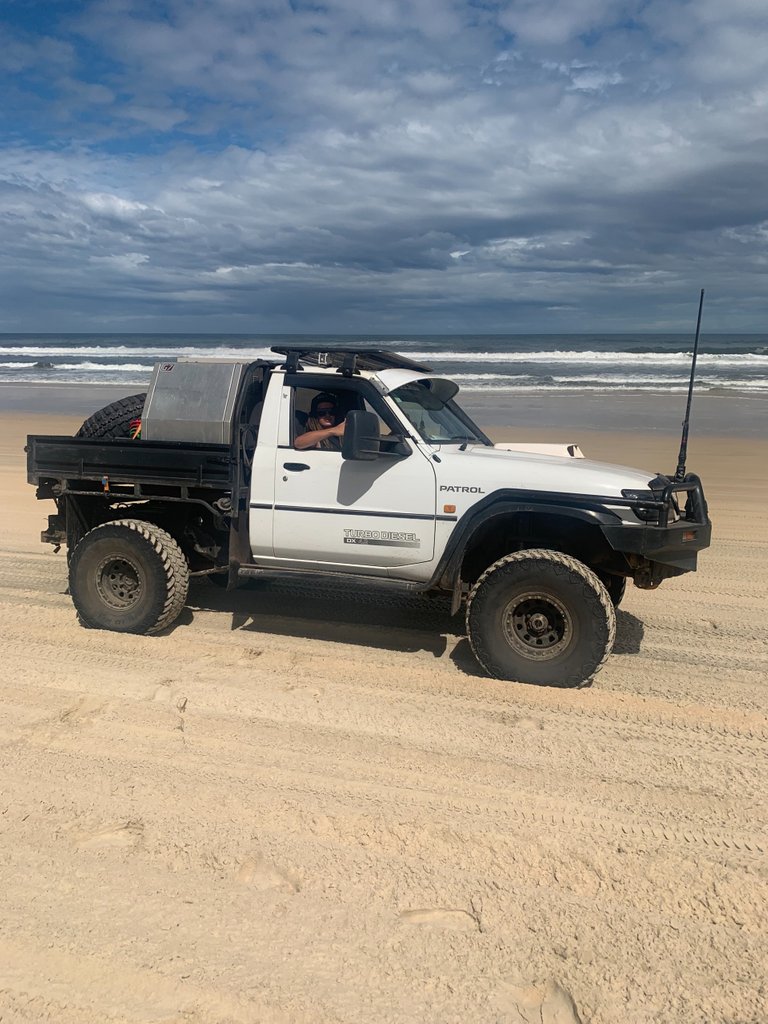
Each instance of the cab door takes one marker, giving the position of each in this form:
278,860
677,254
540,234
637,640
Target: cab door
371,515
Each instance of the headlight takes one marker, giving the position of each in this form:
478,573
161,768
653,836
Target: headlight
650,513
646,513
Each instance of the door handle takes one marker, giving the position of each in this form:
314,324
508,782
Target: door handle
295,467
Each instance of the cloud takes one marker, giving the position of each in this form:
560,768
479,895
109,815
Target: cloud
553,22
113,206
127,261
368,166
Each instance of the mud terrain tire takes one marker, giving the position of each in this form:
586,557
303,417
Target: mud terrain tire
128,576
114,420
540,617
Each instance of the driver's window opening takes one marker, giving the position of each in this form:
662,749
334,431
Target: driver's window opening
308,402
317,416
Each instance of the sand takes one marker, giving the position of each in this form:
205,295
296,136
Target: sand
312,808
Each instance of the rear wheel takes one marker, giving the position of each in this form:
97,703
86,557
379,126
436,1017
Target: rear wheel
128,576
115,419
540,617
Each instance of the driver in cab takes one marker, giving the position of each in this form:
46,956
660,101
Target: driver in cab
324,427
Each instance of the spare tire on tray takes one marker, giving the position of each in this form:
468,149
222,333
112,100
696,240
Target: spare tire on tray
115,420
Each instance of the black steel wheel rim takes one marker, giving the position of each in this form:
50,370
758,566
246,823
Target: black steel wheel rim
119,582
537,626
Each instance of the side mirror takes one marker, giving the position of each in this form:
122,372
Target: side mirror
361,436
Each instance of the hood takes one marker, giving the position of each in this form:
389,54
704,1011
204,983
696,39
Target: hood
493,468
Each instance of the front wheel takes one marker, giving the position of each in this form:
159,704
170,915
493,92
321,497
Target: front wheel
128,576
540,617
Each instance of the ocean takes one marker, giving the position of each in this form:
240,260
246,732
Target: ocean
494,365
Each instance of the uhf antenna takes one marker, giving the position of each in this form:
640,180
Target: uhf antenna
680,473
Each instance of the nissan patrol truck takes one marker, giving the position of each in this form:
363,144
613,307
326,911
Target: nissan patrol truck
200,476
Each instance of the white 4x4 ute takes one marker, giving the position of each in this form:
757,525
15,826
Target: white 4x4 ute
202,476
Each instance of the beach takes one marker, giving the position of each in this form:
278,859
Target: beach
312,807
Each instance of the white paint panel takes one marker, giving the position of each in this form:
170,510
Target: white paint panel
263,473
357,513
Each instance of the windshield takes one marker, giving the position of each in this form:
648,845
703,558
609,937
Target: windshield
429,407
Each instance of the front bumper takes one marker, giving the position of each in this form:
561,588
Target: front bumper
666,543
676,546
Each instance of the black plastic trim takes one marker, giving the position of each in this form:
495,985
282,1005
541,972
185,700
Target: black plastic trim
251,569
512,502
359,512
662,544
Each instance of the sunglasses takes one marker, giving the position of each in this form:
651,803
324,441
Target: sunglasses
328,410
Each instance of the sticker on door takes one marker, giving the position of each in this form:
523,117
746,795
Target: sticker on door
382,538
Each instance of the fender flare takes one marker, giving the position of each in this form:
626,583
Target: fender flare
508,503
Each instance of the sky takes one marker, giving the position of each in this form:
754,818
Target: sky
382,166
